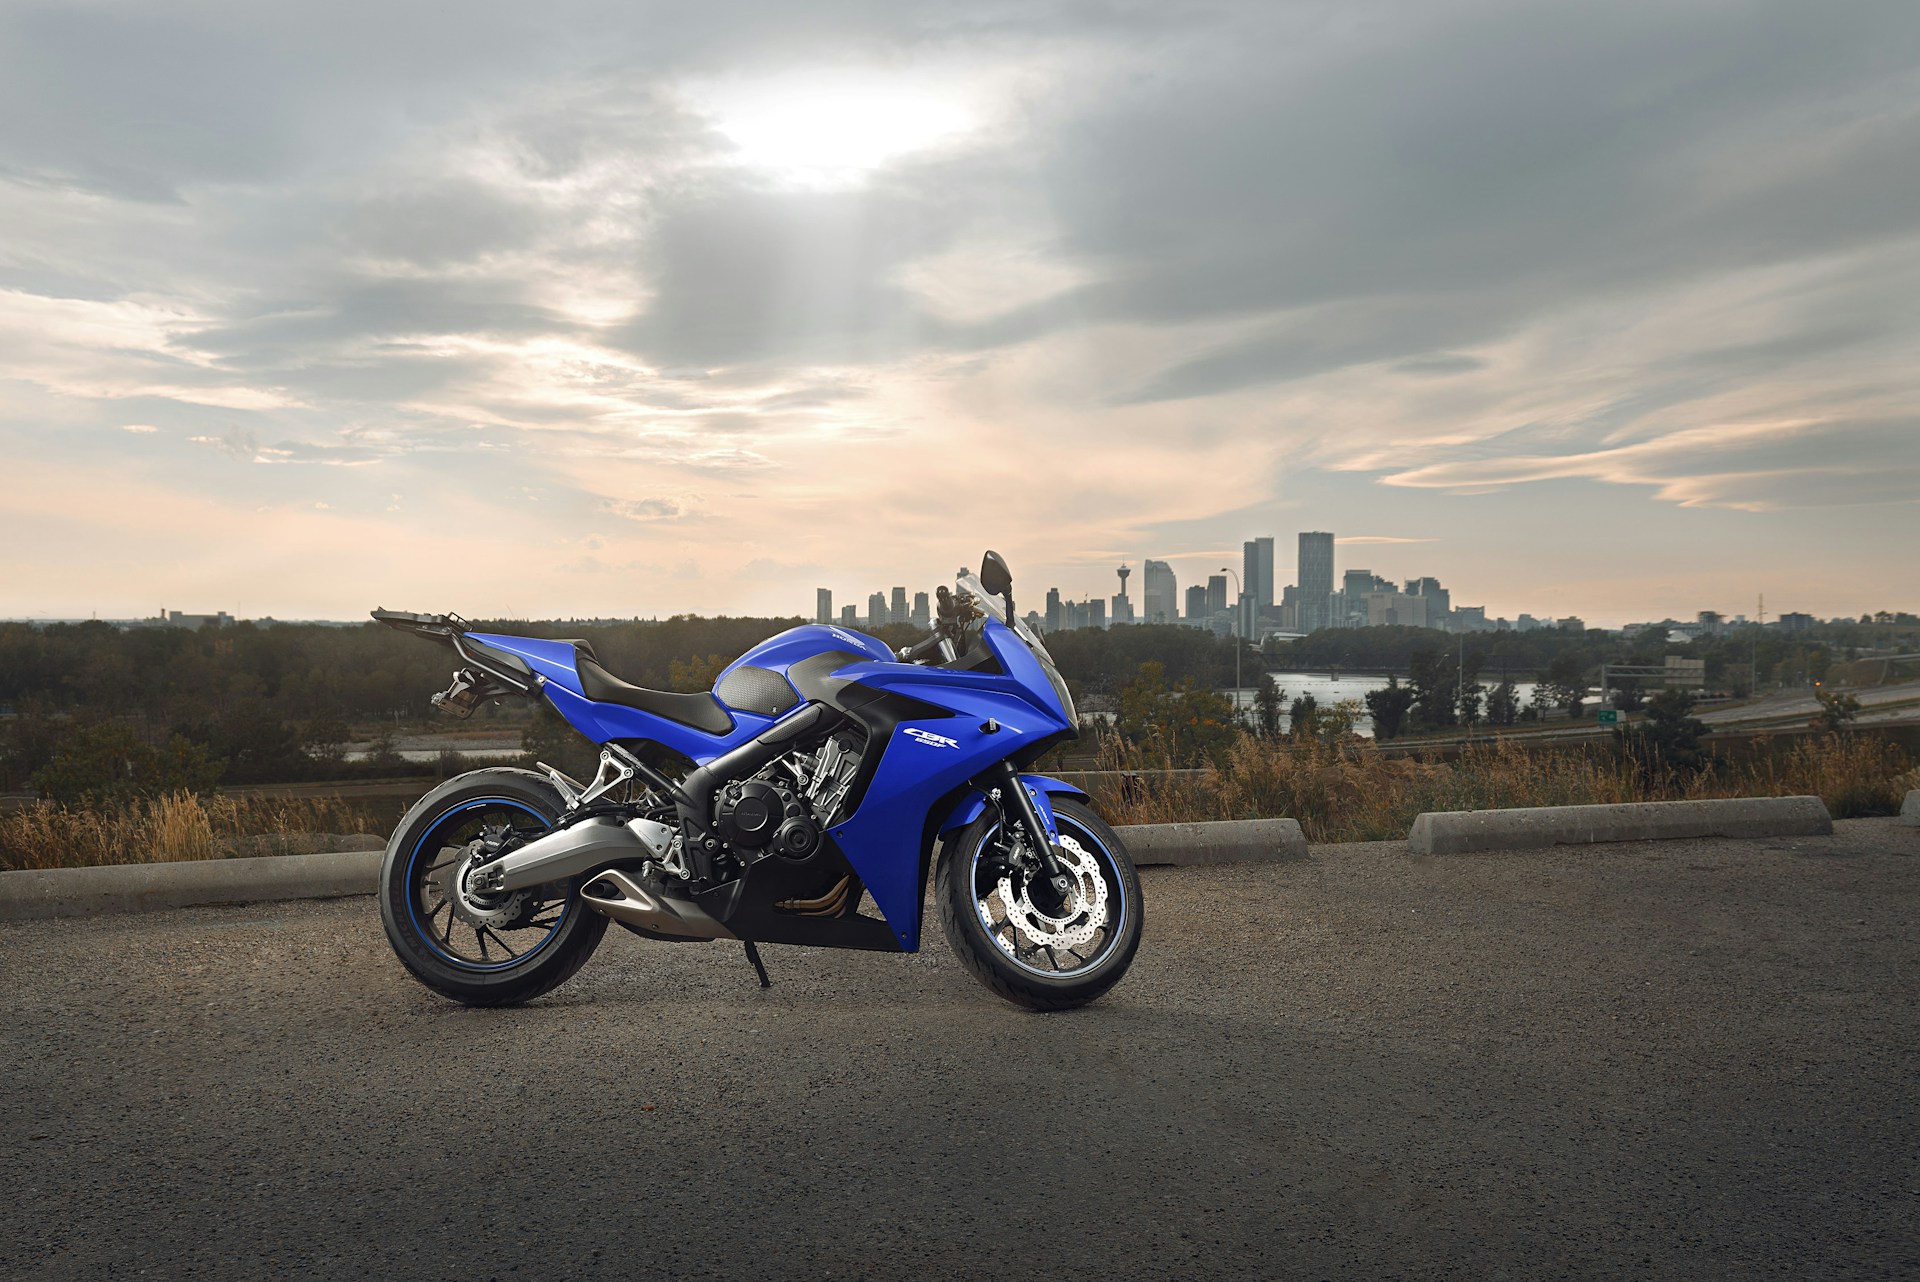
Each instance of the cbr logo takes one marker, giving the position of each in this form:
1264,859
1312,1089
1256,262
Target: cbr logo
931,739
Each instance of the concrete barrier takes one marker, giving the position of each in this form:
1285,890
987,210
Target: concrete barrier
1460,831
73,892
1910,809
1234,841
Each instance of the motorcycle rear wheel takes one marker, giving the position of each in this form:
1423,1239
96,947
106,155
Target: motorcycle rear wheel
481,952
987,920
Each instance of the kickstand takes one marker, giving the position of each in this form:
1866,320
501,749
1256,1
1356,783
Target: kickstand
753,955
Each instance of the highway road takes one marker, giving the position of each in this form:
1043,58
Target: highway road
1680,1060
1797,707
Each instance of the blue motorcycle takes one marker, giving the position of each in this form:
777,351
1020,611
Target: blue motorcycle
828,774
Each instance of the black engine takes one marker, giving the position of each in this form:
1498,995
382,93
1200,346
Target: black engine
757,817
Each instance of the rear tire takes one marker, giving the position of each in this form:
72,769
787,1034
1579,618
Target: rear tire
967,890
442,948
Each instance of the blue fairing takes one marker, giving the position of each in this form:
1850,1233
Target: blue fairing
924,761
883,838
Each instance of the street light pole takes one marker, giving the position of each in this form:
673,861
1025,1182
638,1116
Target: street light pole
1239,641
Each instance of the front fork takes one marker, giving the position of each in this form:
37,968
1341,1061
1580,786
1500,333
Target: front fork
1003,784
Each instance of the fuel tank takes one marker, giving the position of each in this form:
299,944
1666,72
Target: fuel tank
762,680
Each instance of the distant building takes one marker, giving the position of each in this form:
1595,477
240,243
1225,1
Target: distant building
1096,613
1709,623
823,605
1196,603
1055,619
897,607
877,611
1256,573
1471,618
1439,600
1216,594
1388,609
922,613
1160,592
1315,605
848,618
194,622
1789,622
1122,606
1572,623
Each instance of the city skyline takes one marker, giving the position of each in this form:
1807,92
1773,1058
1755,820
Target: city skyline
1327,595
1600,310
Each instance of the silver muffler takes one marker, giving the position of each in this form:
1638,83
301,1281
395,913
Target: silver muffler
622,897
587,845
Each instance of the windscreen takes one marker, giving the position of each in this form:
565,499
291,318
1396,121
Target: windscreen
970,582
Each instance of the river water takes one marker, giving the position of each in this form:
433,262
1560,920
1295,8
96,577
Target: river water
1327,690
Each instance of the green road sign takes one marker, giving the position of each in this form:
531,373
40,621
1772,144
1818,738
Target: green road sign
1608,716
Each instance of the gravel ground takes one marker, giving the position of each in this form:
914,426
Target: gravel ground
1680,1059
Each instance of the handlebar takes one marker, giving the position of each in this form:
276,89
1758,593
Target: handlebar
915,653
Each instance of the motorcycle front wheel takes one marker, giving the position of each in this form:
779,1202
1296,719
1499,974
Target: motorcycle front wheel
483,950
1019,937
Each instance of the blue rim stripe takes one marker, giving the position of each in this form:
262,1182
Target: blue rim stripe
413,913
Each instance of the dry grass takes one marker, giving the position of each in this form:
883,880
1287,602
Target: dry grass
1354,792
170,828
1345,792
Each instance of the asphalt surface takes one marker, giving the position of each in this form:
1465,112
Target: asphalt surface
1683,1059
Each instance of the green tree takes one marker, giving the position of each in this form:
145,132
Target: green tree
1300,717
1503,703
1190,722
1268,702
1470,696
109,761
1566,683
1433,681
695,675
549,739
1669,739
1838,709
325,740
1389,706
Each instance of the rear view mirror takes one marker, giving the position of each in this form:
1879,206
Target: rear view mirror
995,577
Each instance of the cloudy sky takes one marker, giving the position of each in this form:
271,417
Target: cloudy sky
629,308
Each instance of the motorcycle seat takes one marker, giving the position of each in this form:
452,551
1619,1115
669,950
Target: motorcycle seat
699,711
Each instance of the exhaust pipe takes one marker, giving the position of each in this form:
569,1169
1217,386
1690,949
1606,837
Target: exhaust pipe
583,847
624,899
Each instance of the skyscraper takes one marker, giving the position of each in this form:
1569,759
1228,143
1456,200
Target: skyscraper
1216,593
823,605
1122,604
922,615
1055,619
1439,600
1316,580
877,611
1256,572
1196,603
1161,593
848,618
897,608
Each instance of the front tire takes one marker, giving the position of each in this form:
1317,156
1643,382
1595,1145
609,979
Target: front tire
483,952
1048,956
